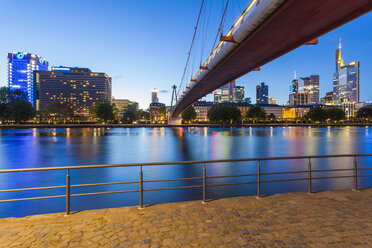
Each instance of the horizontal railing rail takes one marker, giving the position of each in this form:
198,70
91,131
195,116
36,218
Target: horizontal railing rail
206,181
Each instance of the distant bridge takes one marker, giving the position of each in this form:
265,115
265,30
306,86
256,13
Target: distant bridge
265,31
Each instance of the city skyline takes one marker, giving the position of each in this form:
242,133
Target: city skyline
148,69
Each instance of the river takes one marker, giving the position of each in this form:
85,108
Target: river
29,148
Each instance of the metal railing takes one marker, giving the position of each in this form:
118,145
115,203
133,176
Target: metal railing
259,174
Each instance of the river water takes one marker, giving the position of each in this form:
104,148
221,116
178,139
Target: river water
29,148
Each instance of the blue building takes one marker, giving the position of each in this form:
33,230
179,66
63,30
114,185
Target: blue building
262,94
21,67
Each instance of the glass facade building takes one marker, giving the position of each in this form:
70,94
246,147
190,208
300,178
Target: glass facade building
21,67
262,94
78,88
345,80
227,92
311,86
238,94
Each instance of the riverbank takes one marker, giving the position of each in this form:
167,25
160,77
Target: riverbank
23,126
326,219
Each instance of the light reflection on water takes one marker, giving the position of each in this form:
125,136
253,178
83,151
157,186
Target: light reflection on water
27,148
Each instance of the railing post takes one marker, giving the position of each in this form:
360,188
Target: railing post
310,183
258,180
355,174
204,185
68,192
141,188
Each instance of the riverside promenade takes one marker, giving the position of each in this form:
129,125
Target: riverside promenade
326,219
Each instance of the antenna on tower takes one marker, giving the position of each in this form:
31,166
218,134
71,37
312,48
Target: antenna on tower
295,75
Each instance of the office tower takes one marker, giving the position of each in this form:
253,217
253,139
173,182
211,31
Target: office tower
345,80
262,94
78,88
21,67
294,85
328,99
311,86
248,100
299,99
217,97
227,92
238,94
154,96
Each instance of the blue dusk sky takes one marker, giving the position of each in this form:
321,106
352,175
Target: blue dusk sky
143,44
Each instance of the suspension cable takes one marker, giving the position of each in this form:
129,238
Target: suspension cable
220,27
192,43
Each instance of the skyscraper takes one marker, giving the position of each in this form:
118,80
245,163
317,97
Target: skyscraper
227,92
21,67
78,88
262,94
345,80
238,94
311,86
294,85
154,96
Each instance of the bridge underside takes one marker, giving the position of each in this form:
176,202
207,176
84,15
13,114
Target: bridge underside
290,26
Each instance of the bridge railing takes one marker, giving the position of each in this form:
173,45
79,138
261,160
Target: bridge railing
259,174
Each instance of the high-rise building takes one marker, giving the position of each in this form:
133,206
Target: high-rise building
328,99
21,67
154,96
345,80
262,94
78,88
238,94
227,92
294,86
299,99
311,86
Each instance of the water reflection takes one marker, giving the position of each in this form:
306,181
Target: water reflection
22,148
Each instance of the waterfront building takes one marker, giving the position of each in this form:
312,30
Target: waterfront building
79,88
242,106
238,94
262,94
156,114
202,109
349,108
273,109
21,67
123,104
311,86
227,92
345,80
272,101
248,100
295,112
217,97
299,99
154,96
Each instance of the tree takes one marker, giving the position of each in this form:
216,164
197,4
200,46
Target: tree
224,114
4,99
129,116
142,114
189,114
316,114
163,112
365,112
256,112
335,114
19,111
104,111
271,116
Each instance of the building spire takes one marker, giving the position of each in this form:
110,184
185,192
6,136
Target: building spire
295,75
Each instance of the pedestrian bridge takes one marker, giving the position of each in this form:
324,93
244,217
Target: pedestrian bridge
266,30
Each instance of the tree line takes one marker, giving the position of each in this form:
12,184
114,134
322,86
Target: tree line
231,114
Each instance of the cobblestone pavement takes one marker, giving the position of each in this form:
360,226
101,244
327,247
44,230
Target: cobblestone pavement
326,219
